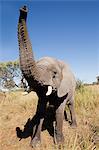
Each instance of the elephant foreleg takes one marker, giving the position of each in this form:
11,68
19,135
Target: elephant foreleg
36,138
41,109
58,135
72,113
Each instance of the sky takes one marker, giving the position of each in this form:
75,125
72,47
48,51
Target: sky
66,30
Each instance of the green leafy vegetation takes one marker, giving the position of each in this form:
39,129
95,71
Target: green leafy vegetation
9,71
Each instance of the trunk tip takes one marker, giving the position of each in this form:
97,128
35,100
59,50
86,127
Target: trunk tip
24,9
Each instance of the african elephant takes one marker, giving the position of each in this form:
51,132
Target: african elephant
50,78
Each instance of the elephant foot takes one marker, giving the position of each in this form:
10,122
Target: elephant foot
35,142
58,139
73,124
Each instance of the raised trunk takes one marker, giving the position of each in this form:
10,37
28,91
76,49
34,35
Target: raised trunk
27,62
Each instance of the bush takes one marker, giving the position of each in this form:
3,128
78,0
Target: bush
79,85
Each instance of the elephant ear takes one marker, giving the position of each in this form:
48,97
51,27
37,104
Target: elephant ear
64,85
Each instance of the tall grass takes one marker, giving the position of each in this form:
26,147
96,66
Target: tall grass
16,109
87,110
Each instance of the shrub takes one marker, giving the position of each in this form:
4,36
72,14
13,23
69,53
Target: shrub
79,85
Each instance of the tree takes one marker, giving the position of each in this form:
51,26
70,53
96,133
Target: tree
9,74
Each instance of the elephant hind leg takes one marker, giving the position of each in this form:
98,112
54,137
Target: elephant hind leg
73,122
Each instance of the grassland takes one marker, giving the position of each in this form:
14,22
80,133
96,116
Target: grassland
16,108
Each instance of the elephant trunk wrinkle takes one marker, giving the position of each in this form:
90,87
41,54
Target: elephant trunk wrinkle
27,62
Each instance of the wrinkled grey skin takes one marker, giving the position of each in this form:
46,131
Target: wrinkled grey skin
41,74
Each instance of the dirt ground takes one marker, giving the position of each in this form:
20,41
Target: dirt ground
16,109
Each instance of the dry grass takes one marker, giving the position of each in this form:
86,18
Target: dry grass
16,108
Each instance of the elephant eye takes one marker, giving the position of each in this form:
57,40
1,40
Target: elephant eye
55,72
53,76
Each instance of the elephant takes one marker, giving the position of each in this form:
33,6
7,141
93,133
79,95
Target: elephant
51,79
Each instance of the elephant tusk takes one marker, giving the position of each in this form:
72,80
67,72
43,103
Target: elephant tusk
49,90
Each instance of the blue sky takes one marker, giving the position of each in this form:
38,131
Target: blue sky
67,30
